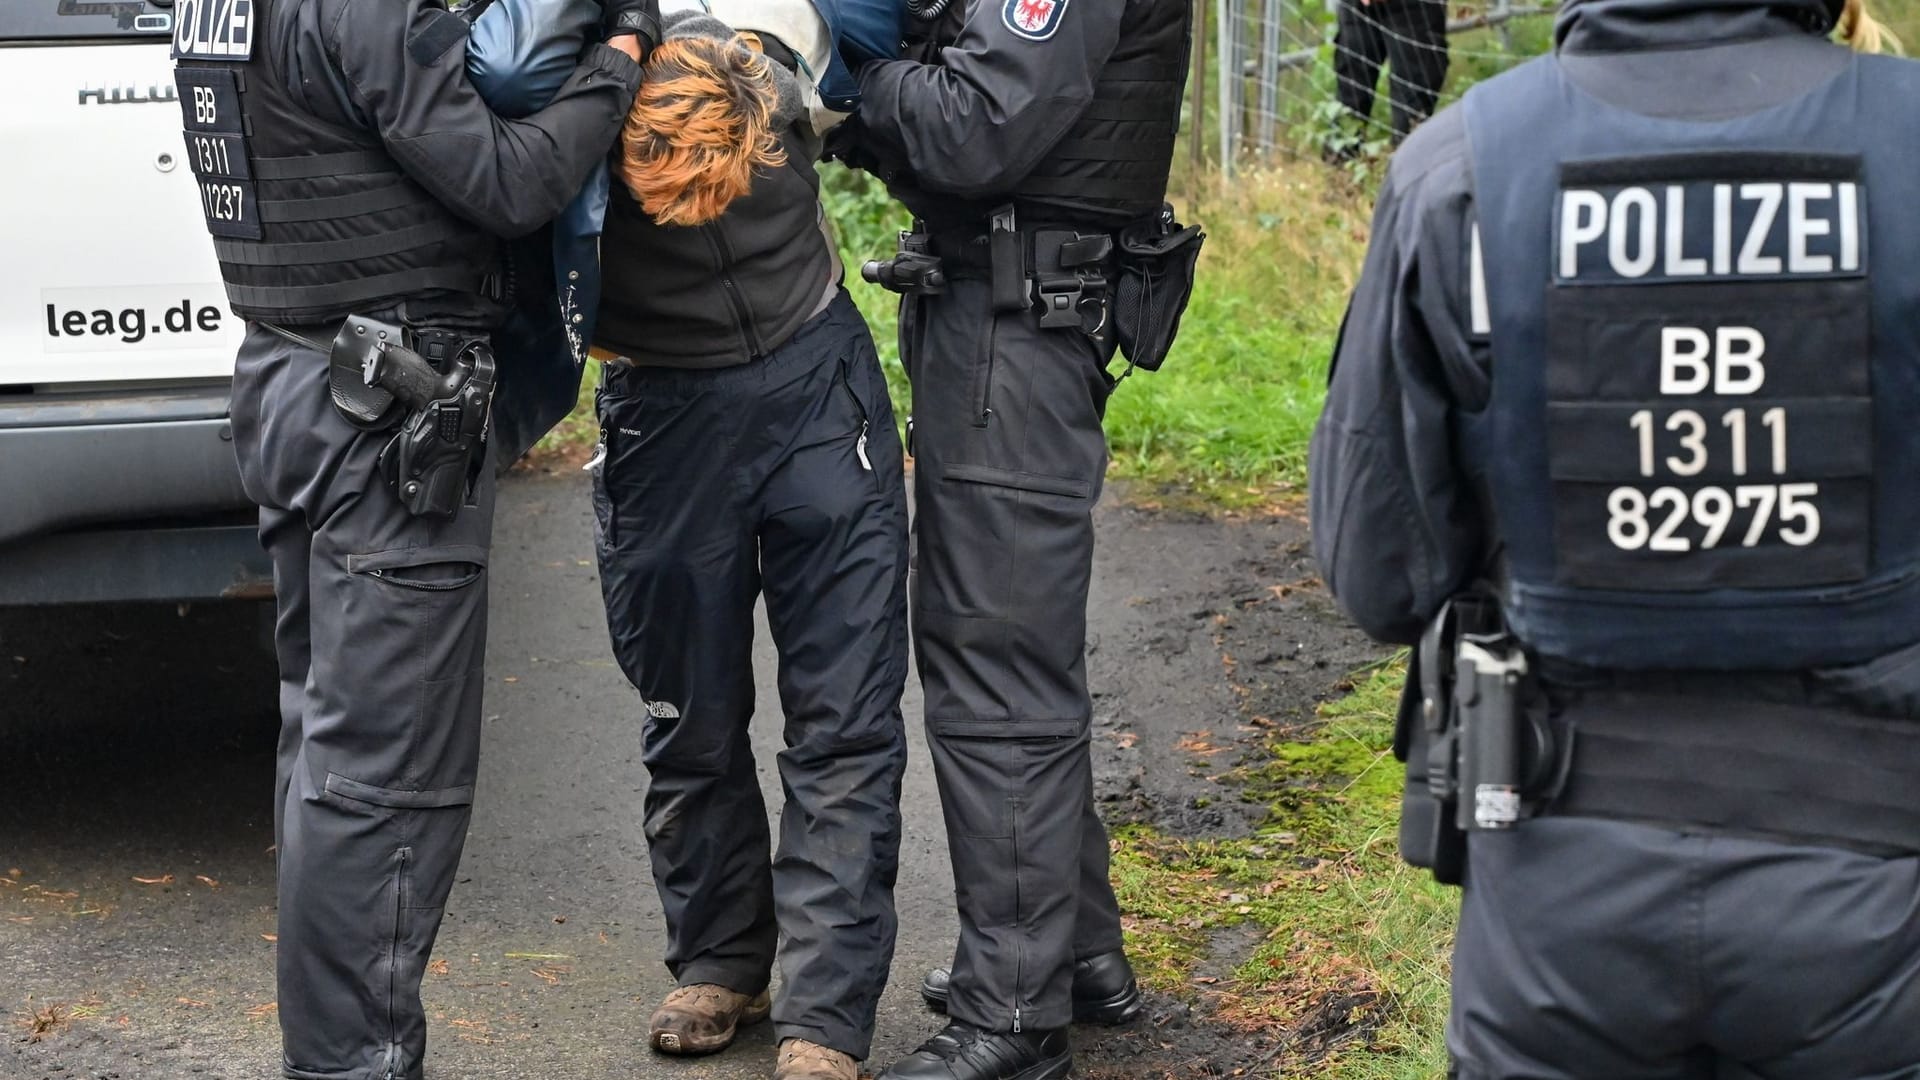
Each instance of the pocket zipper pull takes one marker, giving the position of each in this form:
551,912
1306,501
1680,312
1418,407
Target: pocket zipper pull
861,448
599,457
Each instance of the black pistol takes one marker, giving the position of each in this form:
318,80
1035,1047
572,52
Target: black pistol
431,460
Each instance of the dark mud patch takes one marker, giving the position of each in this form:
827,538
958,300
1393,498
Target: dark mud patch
1176,1041
1230,638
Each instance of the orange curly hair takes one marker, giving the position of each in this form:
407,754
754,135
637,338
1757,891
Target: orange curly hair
702,124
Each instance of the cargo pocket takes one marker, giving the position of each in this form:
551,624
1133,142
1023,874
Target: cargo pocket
449,568
435,827
1037,483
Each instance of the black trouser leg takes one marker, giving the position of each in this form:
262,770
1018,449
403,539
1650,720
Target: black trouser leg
712,481
1417,59
679,571
378,781
1010,462
285,535
1096,928
834,557
1359,48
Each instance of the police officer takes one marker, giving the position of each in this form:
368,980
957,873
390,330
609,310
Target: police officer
347,168
1023,134
1629,375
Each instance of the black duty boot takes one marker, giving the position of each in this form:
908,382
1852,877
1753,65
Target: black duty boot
1103,990
964,1052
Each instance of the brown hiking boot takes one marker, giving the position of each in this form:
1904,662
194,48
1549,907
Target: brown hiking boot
802,1060
702,1019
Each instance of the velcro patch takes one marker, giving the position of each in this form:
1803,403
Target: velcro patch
442,32
1035,20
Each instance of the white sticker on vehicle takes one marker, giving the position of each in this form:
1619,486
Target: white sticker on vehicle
132,318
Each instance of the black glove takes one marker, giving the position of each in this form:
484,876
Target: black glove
640,18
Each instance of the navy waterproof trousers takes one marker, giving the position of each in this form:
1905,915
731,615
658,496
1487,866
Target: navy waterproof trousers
780,478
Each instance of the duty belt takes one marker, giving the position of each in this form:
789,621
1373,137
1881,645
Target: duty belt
1806,773
1063,272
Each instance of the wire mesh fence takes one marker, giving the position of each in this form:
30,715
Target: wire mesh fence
1339,77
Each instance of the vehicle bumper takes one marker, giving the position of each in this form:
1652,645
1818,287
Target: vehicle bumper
123,497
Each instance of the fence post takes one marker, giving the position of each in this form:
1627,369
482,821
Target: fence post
1197,94
1229,106
1271,12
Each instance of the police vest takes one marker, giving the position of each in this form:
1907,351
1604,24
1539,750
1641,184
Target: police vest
1116,159
1113,164
311,221
1701,448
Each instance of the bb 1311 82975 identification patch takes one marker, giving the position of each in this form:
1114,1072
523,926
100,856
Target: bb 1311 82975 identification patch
1035,20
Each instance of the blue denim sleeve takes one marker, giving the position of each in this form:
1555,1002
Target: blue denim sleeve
522,51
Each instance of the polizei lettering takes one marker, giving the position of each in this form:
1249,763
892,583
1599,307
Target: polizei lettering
1717,230
1710,403
213,30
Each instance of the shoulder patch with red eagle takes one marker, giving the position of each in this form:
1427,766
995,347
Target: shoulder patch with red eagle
1035,20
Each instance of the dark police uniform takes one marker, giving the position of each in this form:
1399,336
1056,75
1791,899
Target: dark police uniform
348,167
1061,117
1629,349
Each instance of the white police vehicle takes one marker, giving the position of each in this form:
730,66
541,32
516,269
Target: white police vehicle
117,472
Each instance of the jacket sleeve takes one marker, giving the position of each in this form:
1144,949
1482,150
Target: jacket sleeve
976,124
405,71
1397,528
521,52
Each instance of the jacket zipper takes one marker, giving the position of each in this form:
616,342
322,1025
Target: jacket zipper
1019,954
393,960
723,251
985,412
859,447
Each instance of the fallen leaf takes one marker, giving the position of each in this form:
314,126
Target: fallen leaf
20,918
438,967
1126,740
603,938
191,1004
269,937
207,881
164,879
261,1012
560,920
511,679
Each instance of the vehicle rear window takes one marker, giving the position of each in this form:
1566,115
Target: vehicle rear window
43,20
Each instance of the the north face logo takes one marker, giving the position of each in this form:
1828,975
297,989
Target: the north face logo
1035,20
660,710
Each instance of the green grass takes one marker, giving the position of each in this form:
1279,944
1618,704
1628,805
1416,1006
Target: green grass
1351,943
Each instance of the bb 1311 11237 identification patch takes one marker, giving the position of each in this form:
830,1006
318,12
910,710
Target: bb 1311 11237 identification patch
1035,20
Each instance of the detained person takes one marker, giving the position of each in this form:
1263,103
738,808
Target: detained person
748,450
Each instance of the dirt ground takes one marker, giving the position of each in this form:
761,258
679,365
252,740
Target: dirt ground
135,744
1190,678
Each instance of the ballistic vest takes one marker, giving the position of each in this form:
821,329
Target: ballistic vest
1115,160
1701,449
1112,165
311,220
